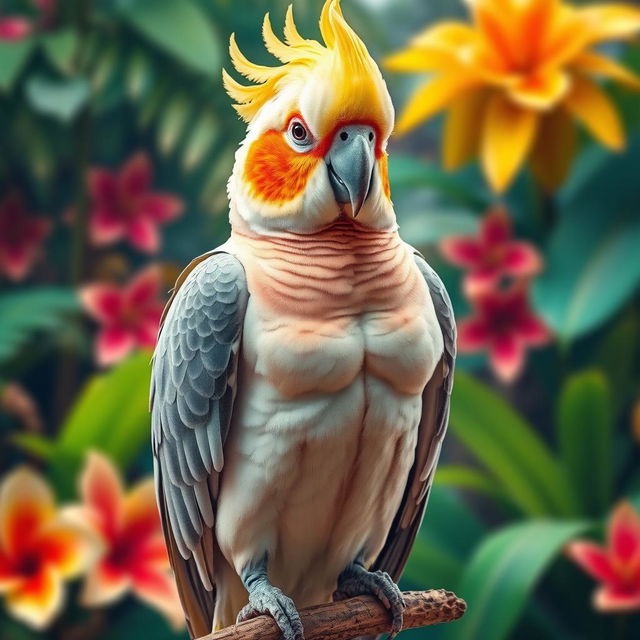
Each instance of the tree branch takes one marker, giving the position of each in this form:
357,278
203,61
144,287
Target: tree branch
352,618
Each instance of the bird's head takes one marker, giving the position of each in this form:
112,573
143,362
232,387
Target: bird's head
318,127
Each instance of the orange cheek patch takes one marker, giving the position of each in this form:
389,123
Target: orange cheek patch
384,174
276,173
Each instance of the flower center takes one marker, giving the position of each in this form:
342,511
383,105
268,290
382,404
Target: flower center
29,565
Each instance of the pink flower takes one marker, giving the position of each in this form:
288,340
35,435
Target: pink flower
19,27
491,255
135,558
504,325
21,237
14,28
123,205
129,316
615,566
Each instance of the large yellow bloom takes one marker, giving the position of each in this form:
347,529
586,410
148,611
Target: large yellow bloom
513,80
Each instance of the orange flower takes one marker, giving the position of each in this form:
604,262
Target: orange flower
135,558
513,80
39,549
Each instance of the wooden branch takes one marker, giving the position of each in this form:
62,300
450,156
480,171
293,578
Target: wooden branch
352,618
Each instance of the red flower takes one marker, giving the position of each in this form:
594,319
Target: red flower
40,548
616,566
135,557
129,315
492,254
21,237
504,325
123,205
19,27
14,28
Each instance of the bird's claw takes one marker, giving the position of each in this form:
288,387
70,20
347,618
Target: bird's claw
269,600
357,581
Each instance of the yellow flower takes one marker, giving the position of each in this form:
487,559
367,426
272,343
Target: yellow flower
512,81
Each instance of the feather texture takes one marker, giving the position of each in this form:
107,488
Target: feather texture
193,388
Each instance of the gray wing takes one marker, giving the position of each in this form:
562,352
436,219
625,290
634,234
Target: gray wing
193,388
433,425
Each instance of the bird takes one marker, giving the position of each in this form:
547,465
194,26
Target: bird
302,375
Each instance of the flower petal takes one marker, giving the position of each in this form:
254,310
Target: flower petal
507,357
38,600
522,259
144,288
161,207
103,188
461,133
135,177
593,559
113,344
611,21
68,548
432,97
481,281
464,251
26,507
495,229
9,577
146,332
540,91
158,589
473,335
142,520
102,492
624,535
104,302
595,63
507,136
103,585
105,226
554,149
589,104
143,234
14,28
609,599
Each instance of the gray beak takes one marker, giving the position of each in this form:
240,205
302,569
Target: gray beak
350,161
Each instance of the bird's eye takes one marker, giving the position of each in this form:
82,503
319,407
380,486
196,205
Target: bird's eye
299,133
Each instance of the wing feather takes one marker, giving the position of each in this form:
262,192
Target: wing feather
192,394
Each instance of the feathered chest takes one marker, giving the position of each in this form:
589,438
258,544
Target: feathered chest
329,307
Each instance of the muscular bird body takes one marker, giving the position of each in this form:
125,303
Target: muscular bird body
302,376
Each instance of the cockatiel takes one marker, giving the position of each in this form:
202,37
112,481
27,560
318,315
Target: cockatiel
302,376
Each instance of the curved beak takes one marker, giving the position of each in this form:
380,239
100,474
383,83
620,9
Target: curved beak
350,161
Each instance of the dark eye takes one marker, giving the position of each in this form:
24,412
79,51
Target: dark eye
299,132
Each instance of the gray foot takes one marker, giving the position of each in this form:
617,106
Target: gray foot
355,580
265,599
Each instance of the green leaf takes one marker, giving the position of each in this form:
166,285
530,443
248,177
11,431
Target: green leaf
182,29
35,444
60,48
510,449
200,141
111,415
26,313
449,533
502,574
585,439
462,477
591,260
13,57
61,99
173,122
139,75
407,172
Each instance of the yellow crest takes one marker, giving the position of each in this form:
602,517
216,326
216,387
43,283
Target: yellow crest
352,80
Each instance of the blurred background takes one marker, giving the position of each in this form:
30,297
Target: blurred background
116,141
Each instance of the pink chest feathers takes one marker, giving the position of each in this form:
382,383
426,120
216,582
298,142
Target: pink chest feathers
343,270
325,308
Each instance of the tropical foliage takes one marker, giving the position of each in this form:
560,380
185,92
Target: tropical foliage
117,141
